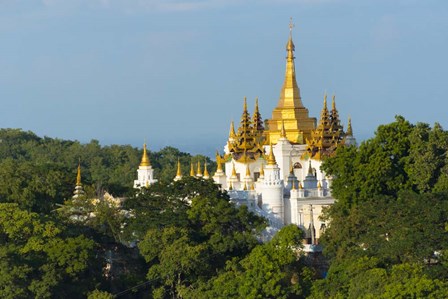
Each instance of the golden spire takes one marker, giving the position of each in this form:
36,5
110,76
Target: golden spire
247,170
218,162
206,174
199,171
333,102
290,93
325,102
145,159
232,130
252,186
245,105
300,185
233,170
179,172
245,186
349,127
192,169
78,176
271,157
283,132
257,119
261,170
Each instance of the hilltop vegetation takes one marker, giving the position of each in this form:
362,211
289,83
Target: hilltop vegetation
388,235
387,238
38,173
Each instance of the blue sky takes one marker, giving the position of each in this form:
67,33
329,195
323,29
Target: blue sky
176,72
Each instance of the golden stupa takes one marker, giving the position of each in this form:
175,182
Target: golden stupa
290,111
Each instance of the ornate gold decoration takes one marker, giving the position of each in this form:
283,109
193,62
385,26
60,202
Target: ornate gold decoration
199,170
179,171
283,132
328,135
233,170
349,128
246,146
192,169
218,162
271,157
206,174
145,159
290,109
78,176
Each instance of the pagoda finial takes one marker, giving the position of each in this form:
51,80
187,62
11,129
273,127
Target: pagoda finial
179,171
79,191
206,174
218,162
257,119
291,25
192,169
247,170
78,176
145,159
199,170
333,102
290,92
271,157
232,130
349,127
245,104
233,170
283,131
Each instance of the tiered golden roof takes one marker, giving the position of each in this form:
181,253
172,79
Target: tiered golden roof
328,134
247,144
290,110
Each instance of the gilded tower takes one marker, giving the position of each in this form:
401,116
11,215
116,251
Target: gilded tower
290,110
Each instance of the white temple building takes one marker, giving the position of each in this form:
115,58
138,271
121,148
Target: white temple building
274,166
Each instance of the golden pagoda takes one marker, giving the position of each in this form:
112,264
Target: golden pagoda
246,145
79,191
145,159
290,110
328,134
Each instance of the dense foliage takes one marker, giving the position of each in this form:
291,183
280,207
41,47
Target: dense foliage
172,240
388,234
38,173
387,238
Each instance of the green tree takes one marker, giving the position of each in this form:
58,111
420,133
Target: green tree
271,270
42,261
